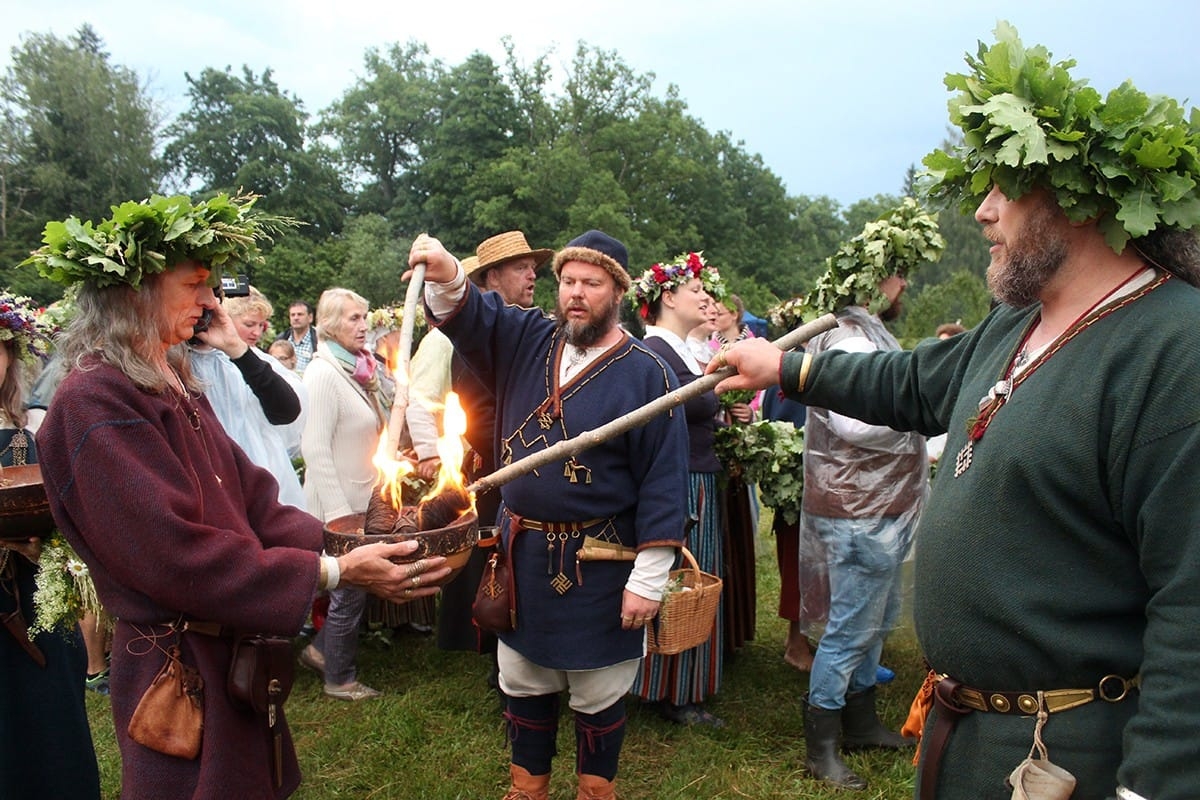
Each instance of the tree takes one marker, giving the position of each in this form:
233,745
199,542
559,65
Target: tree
79,136
964,297
245,134
381,122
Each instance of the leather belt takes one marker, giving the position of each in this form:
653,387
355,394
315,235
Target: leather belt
955,700
214,629
552,527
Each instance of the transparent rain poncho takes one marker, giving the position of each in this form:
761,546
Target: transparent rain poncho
853,470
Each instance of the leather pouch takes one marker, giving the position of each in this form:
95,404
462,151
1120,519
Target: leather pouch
170,716
495,606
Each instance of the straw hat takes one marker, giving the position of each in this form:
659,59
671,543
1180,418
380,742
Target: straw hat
470,264
502,247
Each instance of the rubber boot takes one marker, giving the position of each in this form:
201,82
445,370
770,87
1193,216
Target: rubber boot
821,729
593,787
861,727
526,786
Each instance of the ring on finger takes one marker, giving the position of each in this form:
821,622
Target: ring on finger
407,593
413,569
416,581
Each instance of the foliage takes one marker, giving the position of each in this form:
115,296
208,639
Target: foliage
145,238
735,397
64,590
244,134
895,244
21,323
1129,161
78,134
768,453
963,297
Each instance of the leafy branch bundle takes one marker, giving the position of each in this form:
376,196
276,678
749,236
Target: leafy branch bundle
895,244
771,454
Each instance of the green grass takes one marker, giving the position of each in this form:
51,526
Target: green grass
436,734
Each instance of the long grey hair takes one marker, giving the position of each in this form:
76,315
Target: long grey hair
124,327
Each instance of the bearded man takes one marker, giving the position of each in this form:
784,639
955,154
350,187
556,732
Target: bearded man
1058,558
580,624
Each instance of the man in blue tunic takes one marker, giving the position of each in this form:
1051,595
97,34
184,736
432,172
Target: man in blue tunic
580,623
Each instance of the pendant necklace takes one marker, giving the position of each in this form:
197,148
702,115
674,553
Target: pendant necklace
193,418
1000,393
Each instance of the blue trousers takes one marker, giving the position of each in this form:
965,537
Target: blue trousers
338,638
864,558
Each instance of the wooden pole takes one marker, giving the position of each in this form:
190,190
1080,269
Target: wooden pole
400,402
588,439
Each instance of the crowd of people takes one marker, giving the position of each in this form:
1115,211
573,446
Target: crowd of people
1055,575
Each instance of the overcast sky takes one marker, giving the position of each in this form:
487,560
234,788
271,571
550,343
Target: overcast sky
838,97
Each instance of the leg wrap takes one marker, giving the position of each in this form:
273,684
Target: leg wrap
598,740
532,730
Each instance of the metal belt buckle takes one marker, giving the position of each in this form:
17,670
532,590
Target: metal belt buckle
1118,692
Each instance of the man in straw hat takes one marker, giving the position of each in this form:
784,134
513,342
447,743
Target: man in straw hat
1058,559
507,265
580,624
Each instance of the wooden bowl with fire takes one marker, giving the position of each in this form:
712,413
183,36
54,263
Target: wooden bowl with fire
442,526
24,508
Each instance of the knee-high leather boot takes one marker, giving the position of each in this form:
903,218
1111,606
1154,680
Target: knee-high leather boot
526,786
821,729
532,729
593,787
861,727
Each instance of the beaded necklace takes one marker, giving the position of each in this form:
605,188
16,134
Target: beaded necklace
1000,393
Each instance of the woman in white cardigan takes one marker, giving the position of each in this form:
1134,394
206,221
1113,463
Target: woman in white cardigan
346,415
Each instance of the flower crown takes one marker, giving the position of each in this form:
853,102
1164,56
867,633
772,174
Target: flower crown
1127,160
20,323
668,277
392,317
146,238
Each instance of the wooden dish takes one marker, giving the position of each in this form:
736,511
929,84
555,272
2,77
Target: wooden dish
455,541
24,508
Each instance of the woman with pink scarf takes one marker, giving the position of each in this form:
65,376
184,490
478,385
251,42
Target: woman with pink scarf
347,413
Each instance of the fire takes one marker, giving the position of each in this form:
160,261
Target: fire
393,471
450,445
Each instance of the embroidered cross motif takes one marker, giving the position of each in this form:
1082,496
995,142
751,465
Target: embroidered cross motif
493,589
545,421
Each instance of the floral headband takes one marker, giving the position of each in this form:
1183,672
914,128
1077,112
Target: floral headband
392,317
20,323
669,277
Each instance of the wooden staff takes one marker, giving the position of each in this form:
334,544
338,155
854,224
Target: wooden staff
400,402
588,439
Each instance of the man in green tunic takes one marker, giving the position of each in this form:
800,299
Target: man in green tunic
1058,559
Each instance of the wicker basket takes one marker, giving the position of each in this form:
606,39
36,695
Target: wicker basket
686,618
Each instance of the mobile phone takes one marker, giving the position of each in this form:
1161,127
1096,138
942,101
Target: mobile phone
205,320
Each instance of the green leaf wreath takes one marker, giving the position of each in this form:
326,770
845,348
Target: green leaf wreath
769,453
895,244
1129,161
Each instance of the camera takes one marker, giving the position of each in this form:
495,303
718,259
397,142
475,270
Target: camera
234,286
230,286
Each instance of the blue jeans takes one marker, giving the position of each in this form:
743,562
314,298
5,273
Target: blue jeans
864,558
338,638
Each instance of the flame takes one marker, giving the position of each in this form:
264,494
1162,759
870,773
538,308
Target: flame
450,444
450,449
392,472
